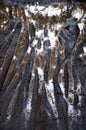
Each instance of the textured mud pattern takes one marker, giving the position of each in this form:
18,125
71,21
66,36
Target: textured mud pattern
43,67
40,2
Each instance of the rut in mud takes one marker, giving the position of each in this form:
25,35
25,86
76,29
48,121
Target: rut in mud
42,68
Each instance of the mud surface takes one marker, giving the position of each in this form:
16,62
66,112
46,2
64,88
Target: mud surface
42,66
